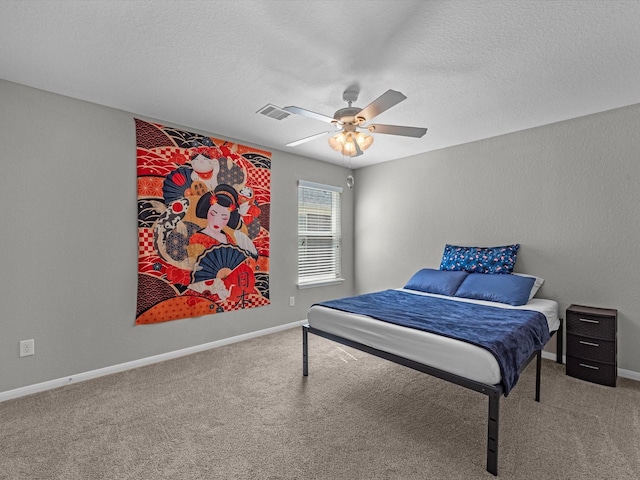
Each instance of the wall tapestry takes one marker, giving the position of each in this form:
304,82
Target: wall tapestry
203,224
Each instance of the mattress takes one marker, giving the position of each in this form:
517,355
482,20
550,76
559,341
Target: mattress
453,356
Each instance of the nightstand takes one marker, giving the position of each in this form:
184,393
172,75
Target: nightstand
591,344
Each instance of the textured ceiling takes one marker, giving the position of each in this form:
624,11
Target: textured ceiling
470,69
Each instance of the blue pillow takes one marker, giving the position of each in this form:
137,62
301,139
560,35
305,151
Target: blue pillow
441,282
507,288
480,259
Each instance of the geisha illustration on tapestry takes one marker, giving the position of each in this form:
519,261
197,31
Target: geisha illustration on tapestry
203,225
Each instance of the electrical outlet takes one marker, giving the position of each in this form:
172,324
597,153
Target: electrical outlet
292,301
27,347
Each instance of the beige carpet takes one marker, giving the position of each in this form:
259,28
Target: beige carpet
244,411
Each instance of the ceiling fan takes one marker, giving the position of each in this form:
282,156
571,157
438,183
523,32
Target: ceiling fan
349,140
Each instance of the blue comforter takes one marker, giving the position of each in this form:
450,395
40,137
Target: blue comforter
511,335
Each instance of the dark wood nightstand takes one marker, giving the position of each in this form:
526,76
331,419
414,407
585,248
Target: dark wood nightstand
591,344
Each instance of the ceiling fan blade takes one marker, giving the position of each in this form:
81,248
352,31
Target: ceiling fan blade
309,114
397,130
380,104
308,139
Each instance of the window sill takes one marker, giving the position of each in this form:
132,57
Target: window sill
320,283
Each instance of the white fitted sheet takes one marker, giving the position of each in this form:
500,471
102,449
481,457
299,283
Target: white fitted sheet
453,356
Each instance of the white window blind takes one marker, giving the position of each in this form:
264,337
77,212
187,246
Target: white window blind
318,233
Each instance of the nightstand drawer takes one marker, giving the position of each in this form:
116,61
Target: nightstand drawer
592,349
596,372
591,325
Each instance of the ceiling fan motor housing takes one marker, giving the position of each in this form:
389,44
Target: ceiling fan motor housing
347,115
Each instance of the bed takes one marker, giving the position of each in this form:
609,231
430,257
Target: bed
472,328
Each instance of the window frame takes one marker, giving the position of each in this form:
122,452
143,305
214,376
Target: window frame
333,232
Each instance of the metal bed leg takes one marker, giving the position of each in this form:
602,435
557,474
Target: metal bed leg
492,435
305,351
538,368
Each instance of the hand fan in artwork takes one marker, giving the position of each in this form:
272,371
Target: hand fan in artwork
176,183
216,259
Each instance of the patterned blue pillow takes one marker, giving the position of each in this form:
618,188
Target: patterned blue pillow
480,259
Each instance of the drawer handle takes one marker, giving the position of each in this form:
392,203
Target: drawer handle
589,366
587,320
591,344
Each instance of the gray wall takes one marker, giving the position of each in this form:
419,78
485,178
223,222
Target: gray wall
569,193
68,242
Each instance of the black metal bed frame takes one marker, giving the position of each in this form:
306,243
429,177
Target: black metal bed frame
494,392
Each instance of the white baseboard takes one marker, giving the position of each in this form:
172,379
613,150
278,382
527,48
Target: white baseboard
621,372
629,374
81,377
550,356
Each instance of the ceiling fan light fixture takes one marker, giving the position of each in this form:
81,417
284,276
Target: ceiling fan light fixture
344,142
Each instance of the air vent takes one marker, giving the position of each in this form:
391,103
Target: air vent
273,112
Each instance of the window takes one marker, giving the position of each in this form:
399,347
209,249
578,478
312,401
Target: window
318,234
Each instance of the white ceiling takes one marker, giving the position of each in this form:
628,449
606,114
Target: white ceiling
470,69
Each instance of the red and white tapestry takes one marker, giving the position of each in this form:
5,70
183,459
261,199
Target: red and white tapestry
203,224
